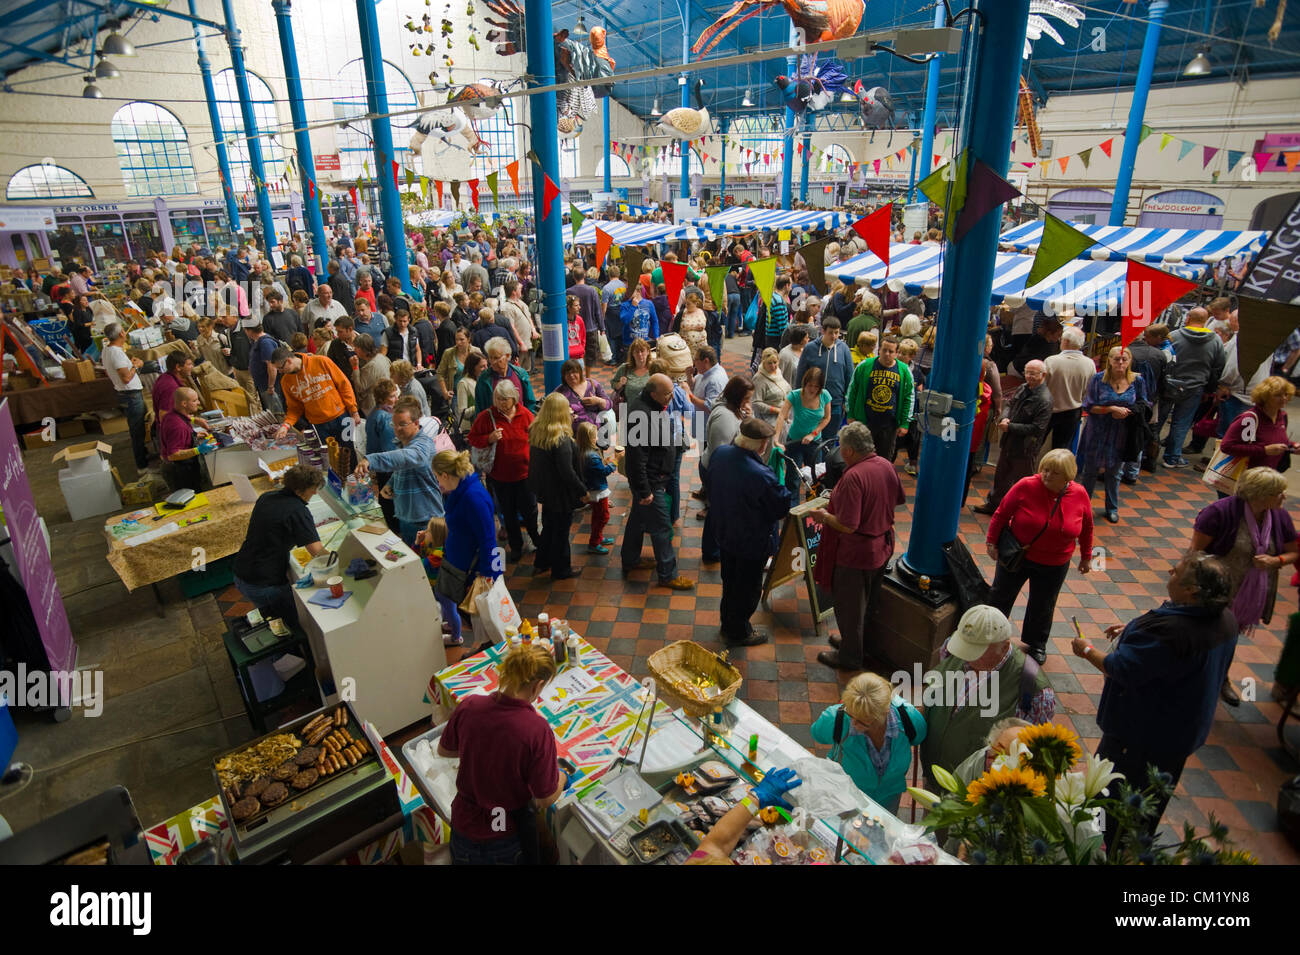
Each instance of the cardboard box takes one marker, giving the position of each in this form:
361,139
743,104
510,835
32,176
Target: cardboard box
90,493
138,493
113,424
88,458
79,371
232,403
71,428
34,439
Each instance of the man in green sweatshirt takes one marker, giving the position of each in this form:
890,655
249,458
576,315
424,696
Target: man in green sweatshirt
882,396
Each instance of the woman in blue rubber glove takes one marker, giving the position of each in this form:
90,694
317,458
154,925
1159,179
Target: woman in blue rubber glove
717,846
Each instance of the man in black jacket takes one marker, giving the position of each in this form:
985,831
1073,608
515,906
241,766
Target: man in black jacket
1023,428
651,458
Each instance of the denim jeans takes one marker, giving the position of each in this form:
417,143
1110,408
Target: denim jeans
801,454
709,547
505,851
273,601
132,405
650,519
1110,480
733,314
450,615
1230,409
1180,422
833,426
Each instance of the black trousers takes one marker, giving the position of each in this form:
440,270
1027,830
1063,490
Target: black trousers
742,588
1133,762
854,592
1011,468
553,545
386,504
516,500
885,436
1044,587
1064,428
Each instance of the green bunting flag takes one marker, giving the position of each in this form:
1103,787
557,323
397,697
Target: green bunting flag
1085,156
455,193
936,188
814,260
575,220
492,184
1060,243
764,273
1146,131
718,285
1165,140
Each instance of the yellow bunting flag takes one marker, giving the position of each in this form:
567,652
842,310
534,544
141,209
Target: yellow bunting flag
764,273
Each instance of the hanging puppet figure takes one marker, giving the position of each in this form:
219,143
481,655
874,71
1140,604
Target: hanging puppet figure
815,86
818,19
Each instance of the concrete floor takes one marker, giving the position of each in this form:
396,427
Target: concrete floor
171,698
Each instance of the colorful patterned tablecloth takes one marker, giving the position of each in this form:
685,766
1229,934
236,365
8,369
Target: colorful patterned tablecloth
591,730
168,839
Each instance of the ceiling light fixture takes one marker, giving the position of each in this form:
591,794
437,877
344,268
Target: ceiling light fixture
92,91
1199,64
580,28
747,101
105,70
117,45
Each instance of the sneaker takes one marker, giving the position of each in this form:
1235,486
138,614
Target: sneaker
910,468
597,549
607,541
1178,464
645,563
678,583
754,639
449,642
1128,480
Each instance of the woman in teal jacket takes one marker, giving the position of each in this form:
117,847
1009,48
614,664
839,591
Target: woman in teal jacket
871,736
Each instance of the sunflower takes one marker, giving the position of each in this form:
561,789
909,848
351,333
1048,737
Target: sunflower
1053,749
1019,783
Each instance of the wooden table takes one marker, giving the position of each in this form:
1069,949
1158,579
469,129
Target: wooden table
61,399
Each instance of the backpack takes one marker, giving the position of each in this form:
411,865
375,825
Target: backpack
840,732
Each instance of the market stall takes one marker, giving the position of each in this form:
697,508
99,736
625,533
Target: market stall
1154,246
633,800
740,219
61,399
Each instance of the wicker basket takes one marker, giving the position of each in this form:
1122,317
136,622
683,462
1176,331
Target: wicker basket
676,668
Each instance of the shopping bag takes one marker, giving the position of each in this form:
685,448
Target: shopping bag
1224,471
478,588
497,612
606,352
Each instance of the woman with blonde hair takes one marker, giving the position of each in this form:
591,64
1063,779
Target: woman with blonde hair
1042,517
1115,403
871,734
692,324
770,387
1259,434
508,761
403,374
555,477
471,546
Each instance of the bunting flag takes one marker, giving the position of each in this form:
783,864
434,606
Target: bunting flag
1292,159
492,184
1165,140
985,192
424,188
512,171
876,164
473,193
576,219
1207,153
396,169
365,168
814,260
455,193
1185,146
1234,157
874,230
549,191
1085,156
1147,293
356,205
936,188
1060,243
718,285
1105,147
1261,160
764,274
437,184
410,179
1146,131
1064,161
603,241
674,278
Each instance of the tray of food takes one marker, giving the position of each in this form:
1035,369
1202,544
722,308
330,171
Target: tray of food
260,776
654,842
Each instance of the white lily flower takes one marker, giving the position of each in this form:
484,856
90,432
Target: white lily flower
924,797
1071,790
1098,775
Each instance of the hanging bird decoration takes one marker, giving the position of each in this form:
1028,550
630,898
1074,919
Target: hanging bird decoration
814,86
451,126
818,19
1039,11
508,34
685,123
1027,119
876,106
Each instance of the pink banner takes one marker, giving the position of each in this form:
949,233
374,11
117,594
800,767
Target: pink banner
34,567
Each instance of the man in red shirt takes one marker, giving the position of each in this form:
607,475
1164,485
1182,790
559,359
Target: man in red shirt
508,764
858,540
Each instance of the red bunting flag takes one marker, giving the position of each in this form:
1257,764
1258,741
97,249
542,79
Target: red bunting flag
1207,153
473,193
311,189
874,230
549,192
1147,293
674,278
603,241
513,171
355,204
1105,147
396,169
437,184
876,163
1262,160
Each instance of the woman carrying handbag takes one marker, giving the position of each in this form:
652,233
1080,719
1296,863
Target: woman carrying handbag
1032,537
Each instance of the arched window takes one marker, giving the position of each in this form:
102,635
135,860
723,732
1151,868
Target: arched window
47,181
232,128
672,165
761,143
153,151
618,166
354,143
834,158
499,135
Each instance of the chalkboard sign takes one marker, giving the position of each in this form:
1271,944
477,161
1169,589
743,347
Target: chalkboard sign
796,557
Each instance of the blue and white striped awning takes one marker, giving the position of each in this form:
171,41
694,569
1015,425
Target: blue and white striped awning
1153,246
744,219
1085,285
634,233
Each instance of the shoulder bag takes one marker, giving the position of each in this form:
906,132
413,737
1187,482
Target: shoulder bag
484,459
1011,553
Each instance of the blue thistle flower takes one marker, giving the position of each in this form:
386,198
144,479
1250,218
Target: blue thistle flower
1039,848
979,857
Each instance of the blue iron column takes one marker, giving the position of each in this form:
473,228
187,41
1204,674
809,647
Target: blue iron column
214,117
931,108
605,112
787,139
988,115
302,138
546,144
724,124
236,43
1137,112
803,168
686,94
911,180
390,206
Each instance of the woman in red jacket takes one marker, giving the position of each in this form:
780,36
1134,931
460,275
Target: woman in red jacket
1259,435
1047,513
504,426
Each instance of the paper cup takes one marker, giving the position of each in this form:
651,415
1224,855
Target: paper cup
336,586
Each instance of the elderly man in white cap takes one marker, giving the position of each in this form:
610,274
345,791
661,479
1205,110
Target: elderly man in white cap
1002,682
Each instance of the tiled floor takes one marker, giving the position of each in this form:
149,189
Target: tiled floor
1235,776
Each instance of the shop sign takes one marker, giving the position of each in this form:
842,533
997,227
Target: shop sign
327,162
1182,208
26,218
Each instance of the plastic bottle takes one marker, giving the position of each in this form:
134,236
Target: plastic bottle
559,649
543,626
515,641
572,650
